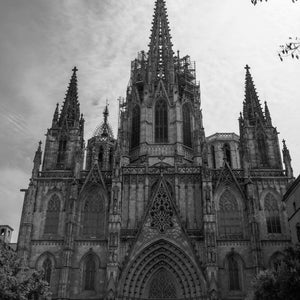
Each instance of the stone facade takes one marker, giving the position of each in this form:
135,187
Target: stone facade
160,212
292,203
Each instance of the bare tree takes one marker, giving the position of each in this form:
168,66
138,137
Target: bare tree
292,48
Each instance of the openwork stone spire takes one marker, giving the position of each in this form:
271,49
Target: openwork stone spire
104,130
70,112
252,107
160,47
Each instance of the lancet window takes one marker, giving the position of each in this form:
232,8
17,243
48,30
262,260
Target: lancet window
229,217
272,214
135,126
227,153
100,155
262,148
161,121
89,273
213,156
187,134
47,267
92,216
52,215
234,276
62,147
298,231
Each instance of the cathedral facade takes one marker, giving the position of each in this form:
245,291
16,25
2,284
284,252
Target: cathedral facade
162,211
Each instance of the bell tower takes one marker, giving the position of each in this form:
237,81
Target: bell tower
258,137
161,120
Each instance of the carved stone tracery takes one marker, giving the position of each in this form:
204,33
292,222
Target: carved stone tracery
161,211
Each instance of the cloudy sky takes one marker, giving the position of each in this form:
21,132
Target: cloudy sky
41,41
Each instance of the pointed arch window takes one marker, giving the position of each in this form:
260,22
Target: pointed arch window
272,214
89,273
227,153
161,121
229,217
187,134
135,126
262,148
92,214
47,267
111,156
62,147
100,155
213,156
52,215
298,231
233,270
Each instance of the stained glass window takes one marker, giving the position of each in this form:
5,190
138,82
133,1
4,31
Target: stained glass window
89,274
52,215
272,214
229,217
187,134
135,126
233,269
161,121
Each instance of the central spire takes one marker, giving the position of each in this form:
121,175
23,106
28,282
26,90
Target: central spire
160,47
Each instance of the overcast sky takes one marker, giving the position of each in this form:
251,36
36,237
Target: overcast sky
41,41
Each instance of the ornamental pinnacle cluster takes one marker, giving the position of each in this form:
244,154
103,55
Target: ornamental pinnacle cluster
161,211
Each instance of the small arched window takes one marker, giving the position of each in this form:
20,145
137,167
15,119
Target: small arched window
229,217
89,273
227,153
47,267
52,215
135,126
92,224
161,121
213,156
272,214
187,134
234,276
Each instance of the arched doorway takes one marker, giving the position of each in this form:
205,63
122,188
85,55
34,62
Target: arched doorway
162,270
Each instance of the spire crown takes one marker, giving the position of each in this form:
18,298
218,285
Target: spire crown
160,47
252,107
104,130
70,112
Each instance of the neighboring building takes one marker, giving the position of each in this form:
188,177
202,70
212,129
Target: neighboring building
160,212
6,235
292,202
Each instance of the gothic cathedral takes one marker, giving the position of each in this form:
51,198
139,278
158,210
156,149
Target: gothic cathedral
162,211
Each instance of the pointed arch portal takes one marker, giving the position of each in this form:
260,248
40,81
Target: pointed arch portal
162,271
